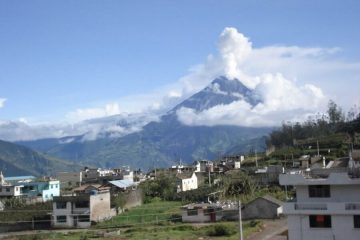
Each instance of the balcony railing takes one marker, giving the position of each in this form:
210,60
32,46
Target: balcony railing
352,206
322,208
310,206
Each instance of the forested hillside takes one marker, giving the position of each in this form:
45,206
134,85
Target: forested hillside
333,130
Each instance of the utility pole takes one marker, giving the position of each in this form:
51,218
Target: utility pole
256,161
318,150
240,221
209,176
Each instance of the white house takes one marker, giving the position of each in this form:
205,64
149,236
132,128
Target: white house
201,212
203,166
186,181
9,190
326,206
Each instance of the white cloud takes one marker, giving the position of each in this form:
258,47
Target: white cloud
2,102
283,99
89,113
281,74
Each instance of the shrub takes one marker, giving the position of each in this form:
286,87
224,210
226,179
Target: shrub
221,230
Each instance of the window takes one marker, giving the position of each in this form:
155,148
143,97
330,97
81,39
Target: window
61,219
84,218
83,204
8,189
320,221
356,221
319,191
192,212
51,186
60,205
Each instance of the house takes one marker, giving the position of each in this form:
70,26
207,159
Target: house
232,161
203,166
45,189
8,190
121,185
265,207
19,179
186,181
201,212
79,211
268,175
327,205
181,169
70,179
88,188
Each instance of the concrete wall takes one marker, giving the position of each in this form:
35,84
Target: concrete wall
338,193
342,229
68,179
52,191
200,217
100,207
189,183
260,208
134,198
12,191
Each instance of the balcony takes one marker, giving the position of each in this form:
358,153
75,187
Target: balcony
310,206
306,208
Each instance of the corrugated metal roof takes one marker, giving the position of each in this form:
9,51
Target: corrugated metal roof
18,178
125,183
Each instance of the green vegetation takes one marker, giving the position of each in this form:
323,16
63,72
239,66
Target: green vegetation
163,187
17,210
320,126
19,160
155,212
218,231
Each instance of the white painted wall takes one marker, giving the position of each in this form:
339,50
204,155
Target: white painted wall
342,229
338,193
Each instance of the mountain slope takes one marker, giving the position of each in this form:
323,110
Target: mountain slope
167,141
20,160
221,91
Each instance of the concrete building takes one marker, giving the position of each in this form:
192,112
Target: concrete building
70,179
265,207
268,175
203,166
186,182
7,189
26,186
79,211
46,189
327,206
202,212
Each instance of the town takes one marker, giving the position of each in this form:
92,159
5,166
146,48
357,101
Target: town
315,196
179,120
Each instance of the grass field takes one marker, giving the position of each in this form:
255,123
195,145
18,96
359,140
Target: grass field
156,220
178,231
157,212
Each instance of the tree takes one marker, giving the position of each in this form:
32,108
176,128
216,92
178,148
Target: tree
335,113
238,183
164,187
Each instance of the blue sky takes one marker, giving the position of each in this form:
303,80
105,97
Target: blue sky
57,57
